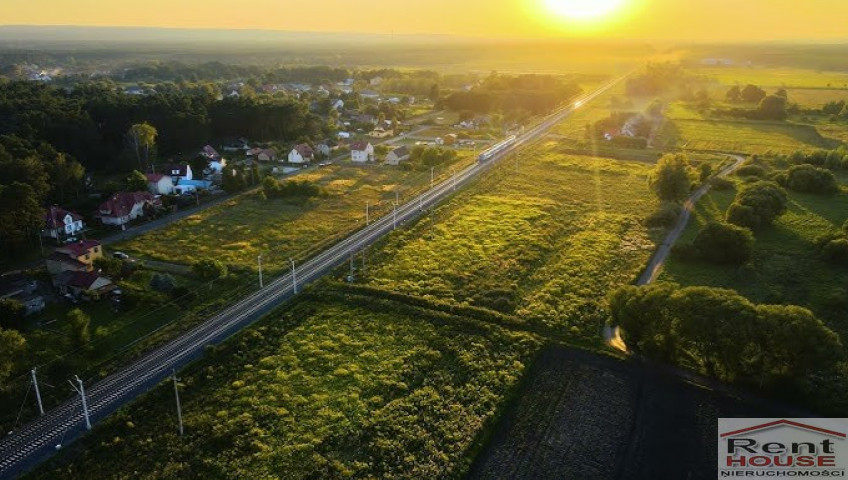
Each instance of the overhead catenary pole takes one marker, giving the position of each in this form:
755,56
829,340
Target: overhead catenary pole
294,275
81,390
37,393
397,196
432,176
177,396
261,282
351,264
394,216
367,213
453,177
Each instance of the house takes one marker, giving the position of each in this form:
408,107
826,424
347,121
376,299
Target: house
302,153
380,132
450,139
376,81
361,152
253,152
217,166
397,155
337,104
137,91
267,155
160,184
236,146
179,172
326,147
439,141
365,118
124,207
74,257
344,135
210,153
88,284
62,224
17,286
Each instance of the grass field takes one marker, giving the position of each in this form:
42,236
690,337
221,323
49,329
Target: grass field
545,243
786,267
326,390
775,77
238,231
742,136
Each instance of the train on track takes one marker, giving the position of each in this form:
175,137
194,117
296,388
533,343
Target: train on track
498,148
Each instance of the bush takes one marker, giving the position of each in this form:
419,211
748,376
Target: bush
751,171
290,189
12,314
721,183
665,216
836,251
111,267
811,179
724,243
672,178
209,269
183,294
845,227
757,205
162,282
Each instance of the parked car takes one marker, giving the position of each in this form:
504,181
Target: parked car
121,255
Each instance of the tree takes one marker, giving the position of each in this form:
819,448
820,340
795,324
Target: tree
80,327
705,171
723,243
136,182
672,178
21,214
757,205
811,179
141,138
12,314
772,107
836,251
232,180
752,94
65,174
162,282
209,269
435,93
734,95
12,347
111,267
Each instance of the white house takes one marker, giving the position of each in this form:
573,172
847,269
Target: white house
369,94
325,148
62,224
361,152
344,135
302,153
337,104
160,184
124,207
179,172
397,155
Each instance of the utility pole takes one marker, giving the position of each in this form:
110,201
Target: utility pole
453,178
351,265
421,202
294,275
394,216
364,252
177,396
432,176
367,213
81,391
397,196
37,393
261,283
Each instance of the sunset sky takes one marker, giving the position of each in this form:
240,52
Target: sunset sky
697,20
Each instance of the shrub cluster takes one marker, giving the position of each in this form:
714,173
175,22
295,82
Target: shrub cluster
757,205
290,189
810,179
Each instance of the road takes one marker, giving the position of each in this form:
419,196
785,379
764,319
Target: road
612,335
23,449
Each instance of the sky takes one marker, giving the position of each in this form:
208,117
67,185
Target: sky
689,20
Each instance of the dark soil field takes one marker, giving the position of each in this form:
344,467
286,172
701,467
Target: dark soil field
583,416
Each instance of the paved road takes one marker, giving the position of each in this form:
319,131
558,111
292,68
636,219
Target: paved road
38,440
612,335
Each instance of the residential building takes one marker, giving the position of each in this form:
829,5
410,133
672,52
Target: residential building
17,286
450,139
179,172
267,155
302,153
160,184
62,224
380,132
369,94
74,257
87,284
326,147
124,207
397,155
361,152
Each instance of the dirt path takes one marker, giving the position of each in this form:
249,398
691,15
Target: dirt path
612,335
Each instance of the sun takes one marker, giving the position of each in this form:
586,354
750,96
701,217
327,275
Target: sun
584,10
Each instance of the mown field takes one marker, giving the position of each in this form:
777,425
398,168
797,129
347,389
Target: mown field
742,136
787,267
327,389
775,77
238,231
543,243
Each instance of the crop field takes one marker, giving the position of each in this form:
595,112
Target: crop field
585,416
775,77
743,136
238,231
325,390
786,267
544,243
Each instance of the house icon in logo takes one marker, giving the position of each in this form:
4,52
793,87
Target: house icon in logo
783,422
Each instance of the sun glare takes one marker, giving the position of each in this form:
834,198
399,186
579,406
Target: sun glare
584,10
